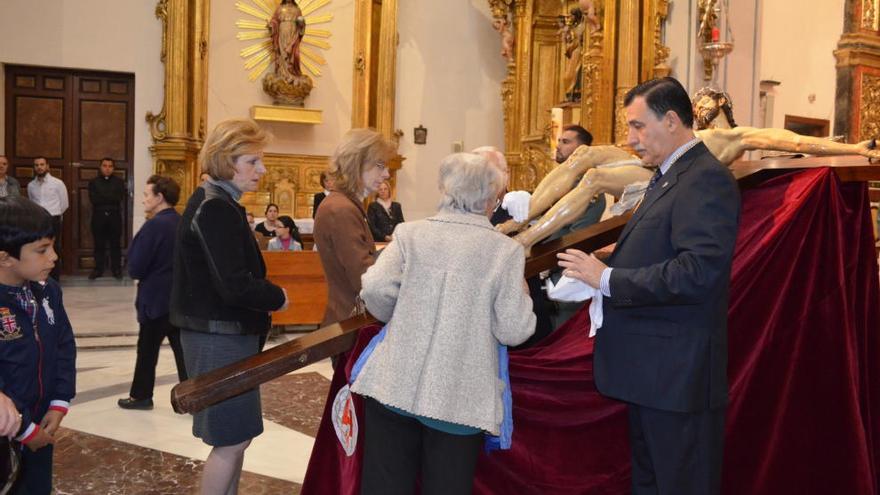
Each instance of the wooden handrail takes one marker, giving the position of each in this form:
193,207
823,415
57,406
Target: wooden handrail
200,392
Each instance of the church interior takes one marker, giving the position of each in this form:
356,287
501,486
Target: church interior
145,82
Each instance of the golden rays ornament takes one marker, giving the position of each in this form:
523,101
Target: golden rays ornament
287,40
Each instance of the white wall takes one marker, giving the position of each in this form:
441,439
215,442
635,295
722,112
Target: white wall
449,74
92,34
231,94
797,51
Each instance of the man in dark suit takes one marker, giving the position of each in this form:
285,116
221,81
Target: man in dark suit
107,193
326,183
663,346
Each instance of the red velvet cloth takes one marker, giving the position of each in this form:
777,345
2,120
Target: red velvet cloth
804,413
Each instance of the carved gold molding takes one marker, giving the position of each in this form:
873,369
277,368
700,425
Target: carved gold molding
870,14
869,118
856,113
178,130
655,54
291,182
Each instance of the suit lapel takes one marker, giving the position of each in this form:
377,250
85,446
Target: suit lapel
663,186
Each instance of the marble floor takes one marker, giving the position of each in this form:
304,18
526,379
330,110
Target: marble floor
103,449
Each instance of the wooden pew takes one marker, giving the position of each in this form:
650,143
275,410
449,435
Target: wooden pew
300,273
200,392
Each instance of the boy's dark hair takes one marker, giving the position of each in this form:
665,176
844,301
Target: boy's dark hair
108,159
583,135
288,222
167,186
22,222
663,95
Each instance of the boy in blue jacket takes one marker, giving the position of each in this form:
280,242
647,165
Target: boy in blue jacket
37,350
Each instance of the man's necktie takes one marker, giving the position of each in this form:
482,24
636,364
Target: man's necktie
654,179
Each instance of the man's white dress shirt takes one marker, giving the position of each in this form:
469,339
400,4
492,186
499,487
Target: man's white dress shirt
50,193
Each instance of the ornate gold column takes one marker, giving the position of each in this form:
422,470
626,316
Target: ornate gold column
857,109
597,115
374,20
628,50
361,87
178,130
385,83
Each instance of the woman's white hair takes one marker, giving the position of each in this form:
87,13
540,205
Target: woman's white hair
468,183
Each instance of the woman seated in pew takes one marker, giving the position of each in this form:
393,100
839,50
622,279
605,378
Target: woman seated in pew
267,227
286,236
451,289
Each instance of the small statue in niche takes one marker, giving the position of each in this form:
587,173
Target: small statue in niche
574,30
502,25
287,84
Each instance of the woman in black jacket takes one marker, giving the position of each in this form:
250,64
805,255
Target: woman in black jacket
383,214
220,298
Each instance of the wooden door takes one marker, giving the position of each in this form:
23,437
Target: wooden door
73,118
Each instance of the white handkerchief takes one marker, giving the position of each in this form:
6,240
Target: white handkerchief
568,289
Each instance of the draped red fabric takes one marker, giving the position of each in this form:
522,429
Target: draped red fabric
804,317
804,413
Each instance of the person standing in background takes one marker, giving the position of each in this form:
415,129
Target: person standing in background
342,236
327,184
150,260
51,194
107,193
8,185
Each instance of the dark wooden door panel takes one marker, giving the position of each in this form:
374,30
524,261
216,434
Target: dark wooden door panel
75,119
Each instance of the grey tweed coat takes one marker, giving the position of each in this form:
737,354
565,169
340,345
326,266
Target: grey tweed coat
450,288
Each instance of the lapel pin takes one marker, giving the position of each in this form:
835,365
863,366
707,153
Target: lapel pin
665,184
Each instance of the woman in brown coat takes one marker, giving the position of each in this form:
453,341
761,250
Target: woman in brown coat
342,236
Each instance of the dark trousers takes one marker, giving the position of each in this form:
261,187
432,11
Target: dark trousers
56,226
397,448
106,229
676,453
150,337
35,477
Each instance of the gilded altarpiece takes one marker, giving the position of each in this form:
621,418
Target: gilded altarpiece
857,108
621,46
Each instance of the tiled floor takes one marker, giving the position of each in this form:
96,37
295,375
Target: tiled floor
107,450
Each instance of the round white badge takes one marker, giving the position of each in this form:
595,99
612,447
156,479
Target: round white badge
345,420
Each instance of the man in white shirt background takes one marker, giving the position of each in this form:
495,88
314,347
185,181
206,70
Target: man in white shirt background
50,193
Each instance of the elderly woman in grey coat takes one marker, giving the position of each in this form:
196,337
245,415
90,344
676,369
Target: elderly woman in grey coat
451,289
